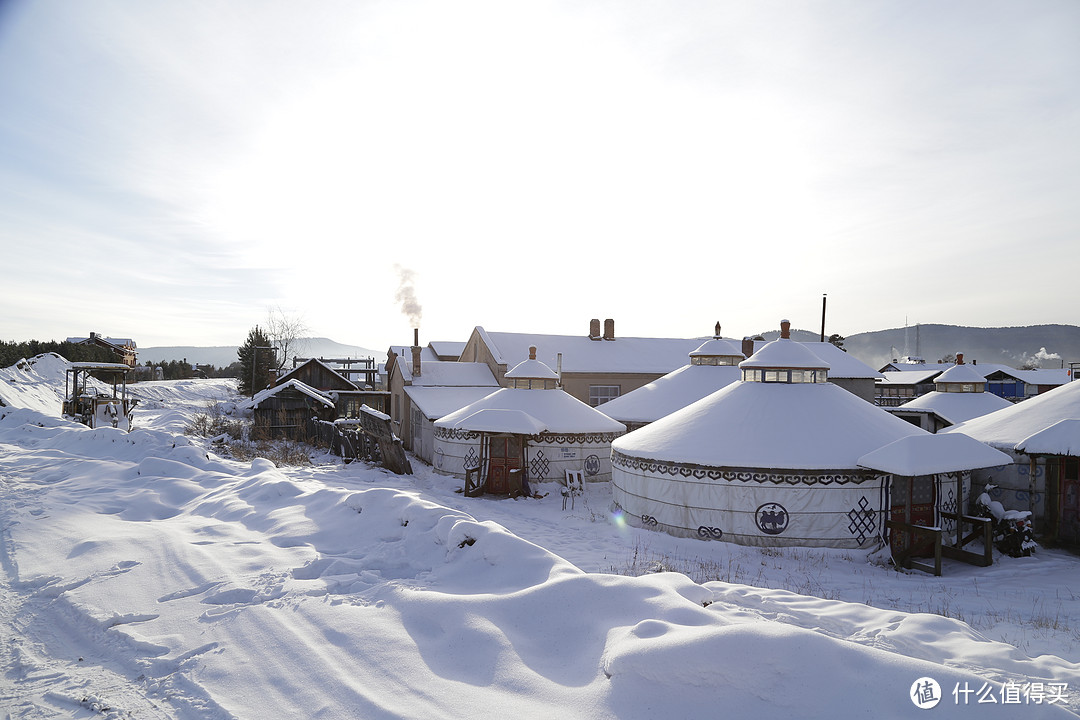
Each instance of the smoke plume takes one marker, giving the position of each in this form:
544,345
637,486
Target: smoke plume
406,295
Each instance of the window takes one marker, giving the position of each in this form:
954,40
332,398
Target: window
600,394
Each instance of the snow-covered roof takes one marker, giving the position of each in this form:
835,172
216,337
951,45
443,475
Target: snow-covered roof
785,353
501,420
447,348
1040,376
1007,427
718,347
531,369
448,374
120,342
1061,438
559,411
957,407
906,377
304,388
582,355
931,454
841,364
909,366
669,393
961,374
436,402
800,426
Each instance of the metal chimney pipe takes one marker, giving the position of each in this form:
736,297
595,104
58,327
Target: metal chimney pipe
823,317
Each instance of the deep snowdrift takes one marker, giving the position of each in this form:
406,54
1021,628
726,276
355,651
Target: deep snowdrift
147,577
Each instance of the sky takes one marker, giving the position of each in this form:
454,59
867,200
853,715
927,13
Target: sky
173,173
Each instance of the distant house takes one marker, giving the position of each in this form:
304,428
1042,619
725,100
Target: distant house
595,367
959,395
896,387
123,348
348,397
1021,384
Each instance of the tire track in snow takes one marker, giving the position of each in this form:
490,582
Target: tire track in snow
58,662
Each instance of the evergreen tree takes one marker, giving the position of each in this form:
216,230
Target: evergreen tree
838,341
255,357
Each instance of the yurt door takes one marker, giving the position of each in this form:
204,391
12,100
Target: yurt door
912,500
505,455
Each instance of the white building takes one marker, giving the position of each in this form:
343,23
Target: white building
532,426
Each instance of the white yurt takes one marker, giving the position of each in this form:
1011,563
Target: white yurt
776,458
959,395
532,426
713,365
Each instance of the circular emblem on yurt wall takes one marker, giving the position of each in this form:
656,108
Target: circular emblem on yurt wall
592,465
771,518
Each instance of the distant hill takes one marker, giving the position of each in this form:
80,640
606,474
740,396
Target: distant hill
224,355
1054,345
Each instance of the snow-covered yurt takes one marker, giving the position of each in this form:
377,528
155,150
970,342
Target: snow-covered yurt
776,458
713,365
1044,473
532,425
959,395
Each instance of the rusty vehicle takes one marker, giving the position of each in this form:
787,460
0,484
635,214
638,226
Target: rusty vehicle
87,396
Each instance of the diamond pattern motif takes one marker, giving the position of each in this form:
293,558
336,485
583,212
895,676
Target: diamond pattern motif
863,520
538,466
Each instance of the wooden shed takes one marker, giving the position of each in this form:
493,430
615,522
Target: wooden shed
284,410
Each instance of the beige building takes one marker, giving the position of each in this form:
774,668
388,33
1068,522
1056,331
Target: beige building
594,367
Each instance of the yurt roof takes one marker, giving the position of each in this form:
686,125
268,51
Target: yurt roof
1061,438
718,347
785,353
807,426
557,410
531,369
961,374
497,420
669,393
957,407
436,402
1007,427
931,454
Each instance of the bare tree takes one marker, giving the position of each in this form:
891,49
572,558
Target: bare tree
287,334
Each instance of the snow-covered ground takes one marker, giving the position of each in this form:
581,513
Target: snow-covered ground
144,576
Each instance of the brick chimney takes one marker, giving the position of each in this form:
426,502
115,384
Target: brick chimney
416,353
785,329
594,329
959,358
609,329
748,346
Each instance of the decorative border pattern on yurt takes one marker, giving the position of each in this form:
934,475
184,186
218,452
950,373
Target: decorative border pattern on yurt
702,472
